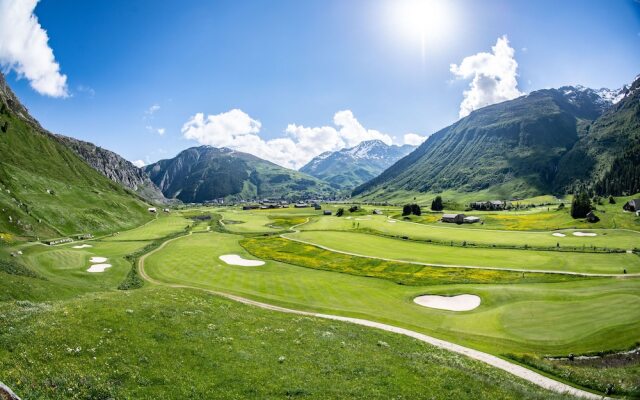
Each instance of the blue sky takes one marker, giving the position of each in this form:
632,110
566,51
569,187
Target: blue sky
297,64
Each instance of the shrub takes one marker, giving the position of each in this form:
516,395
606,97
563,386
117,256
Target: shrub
406,210
353,208
415,209
612,200
340,212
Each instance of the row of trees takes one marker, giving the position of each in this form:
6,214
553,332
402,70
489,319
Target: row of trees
409,209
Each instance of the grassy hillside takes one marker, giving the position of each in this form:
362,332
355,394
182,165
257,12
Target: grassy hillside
206,173
549,141
47,191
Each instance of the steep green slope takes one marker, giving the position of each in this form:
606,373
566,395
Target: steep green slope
607,158
512,148
348,168
46,190
204,173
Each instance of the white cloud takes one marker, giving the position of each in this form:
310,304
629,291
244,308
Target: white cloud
88,90
152,110
160,131
237,130
414,139
493,77
138,163
24,48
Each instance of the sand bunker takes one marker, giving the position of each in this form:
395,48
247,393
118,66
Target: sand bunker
82,246
392,221
462,302
98,267
584,234
97,259
558,234
234,259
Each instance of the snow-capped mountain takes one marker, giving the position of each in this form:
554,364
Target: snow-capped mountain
348,168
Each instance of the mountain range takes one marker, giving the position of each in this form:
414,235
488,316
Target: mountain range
549,141
205,173
350,167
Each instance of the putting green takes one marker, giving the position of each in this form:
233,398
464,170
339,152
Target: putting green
492,327
441,232
377,246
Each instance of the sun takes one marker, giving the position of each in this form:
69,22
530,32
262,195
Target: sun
425,22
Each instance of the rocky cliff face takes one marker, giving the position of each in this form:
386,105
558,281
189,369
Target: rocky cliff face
104,161
114,167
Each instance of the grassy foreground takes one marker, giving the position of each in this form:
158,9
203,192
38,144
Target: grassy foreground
172,343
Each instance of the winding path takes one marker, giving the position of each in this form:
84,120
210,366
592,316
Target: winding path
514,369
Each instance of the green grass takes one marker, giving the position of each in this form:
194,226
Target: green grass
295,253
172,343
378,246
511,318
445,233
49,192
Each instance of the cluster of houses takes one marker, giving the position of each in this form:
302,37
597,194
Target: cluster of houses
269,204
53,242
459,219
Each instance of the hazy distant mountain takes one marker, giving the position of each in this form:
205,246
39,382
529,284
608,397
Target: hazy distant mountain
527,146
204,173
348,168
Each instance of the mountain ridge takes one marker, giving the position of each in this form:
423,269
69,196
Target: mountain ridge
346,168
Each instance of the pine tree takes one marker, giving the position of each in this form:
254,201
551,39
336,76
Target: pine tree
436,204
580,205
406,210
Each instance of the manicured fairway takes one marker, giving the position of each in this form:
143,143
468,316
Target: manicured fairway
157,228
511,318
441,232
246,222
377,246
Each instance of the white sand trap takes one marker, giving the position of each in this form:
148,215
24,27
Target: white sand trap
82,246
234,259
462,302
98,259
584,234
392,221
98,267
363,219
558,234
349,217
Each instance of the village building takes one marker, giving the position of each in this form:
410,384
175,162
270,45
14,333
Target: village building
592,217
327,212
377,212
471,220
453,218
152,210
84,236
300,205
53,242
632,205
489,205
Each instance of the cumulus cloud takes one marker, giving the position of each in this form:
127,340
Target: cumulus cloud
493,77
160,131
138,163
414,139
236,130
24,48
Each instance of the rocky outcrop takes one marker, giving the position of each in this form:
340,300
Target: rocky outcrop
114,167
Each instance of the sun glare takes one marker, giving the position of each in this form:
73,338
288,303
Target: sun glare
423,22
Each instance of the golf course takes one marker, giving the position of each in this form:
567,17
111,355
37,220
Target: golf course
186,271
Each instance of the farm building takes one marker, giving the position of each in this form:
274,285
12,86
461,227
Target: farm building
152,210
327,212
53,242
250,207
632,205
471,220
300,205
453,218
84,236
377,212
317,207
592,217
166,210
